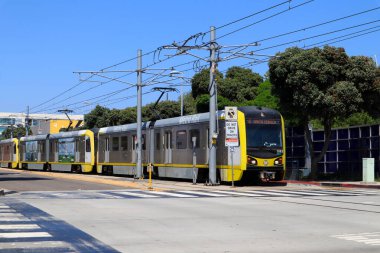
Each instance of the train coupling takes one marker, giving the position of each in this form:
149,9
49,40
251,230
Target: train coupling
267,175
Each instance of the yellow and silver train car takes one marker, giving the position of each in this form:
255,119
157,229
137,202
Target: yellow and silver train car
34,152
168,145
71,151
9,153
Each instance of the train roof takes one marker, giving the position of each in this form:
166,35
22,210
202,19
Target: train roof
185,120
260,112
8,141
34,137
122,128
68,134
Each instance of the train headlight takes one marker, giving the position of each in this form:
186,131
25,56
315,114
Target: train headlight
251,161
278,161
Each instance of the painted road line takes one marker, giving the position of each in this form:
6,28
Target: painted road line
54,246
106,196
339,193
14,219
11,215
14,235
19,226
171,194
366,238
246,194
135,194
302,192
272,193
207,194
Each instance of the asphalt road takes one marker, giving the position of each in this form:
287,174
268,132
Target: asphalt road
253,219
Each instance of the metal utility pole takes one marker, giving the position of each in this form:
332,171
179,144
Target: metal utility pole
27,121
139,120
213,108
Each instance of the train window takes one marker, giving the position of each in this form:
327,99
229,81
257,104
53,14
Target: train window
181,139
88,145
14,149
194,133
158,141
115,143
124,143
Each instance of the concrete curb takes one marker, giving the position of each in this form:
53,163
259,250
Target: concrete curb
336,184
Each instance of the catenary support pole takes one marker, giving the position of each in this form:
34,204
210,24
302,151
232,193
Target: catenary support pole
213,109
139,123
27,121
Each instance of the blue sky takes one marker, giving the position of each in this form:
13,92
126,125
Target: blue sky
43,42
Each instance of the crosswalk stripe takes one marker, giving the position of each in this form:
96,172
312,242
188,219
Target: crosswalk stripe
12,214
12,235
14,219
340,193
19,226
171,194
272,193
240,193
134,194
35,245
303,193
4,207
209,194
107,195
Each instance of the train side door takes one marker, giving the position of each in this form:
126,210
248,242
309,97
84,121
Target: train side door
107,150
87,157
168,147
134,148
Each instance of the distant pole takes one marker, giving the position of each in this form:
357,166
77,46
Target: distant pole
376,60
27,121
181,100
213,108
139,121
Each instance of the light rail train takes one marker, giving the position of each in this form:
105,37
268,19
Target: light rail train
170,145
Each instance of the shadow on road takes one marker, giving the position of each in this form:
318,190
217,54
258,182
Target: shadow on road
2,179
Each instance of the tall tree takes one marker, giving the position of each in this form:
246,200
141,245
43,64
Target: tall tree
322,84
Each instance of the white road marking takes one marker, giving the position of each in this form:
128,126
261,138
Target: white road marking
20,226
241,193
272,193
14,219
301,193
139,195
171,194
35,245
367,238
11,215
209,194
24,235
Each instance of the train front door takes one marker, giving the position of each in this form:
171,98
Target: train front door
168,147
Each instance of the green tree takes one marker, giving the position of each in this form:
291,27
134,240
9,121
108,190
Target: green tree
17,132
264,97
164,110
323,84
97,117
189,106
201,81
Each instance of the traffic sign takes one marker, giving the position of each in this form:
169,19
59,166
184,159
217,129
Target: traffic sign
231,113
232,134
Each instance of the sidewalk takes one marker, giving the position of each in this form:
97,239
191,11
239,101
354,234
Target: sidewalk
354,184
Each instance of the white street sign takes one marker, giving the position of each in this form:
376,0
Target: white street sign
232,134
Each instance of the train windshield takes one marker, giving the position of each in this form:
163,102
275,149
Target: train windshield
264,134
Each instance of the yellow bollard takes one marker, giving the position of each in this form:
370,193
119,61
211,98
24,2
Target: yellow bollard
150,170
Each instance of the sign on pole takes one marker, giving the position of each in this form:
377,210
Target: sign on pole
232,133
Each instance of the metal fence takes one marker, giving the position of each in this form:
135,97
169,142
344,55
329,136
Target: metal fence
343,159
